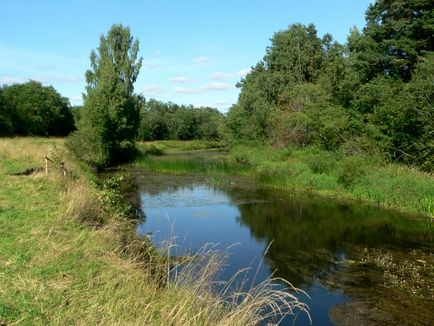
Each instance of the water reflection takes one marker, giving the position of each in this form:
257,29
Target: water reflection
315,242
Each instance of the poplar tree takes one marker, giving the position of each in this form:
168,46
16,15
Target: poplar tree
111,111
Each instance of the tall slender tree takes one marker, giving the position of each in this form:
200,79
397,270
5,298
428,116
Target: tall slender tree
111,111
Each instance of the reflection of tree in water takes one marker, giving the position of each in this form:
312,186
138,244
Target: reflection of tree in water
154,184
321,239
310,237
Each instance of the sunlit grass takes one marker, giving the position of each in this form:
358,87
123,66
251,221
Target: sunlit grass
180,146
67,260
360,177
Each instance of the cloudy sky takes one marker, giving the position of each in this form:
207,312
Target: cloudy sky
194,52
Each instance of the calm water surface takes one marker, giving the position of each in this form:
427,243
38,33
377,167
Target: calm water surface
330,250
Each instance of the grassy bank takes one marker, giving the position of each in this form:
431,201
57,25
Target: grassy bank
65,259
360,177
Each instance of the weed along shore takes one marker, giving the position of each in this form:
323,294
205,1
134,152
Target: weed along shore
361,177
70,255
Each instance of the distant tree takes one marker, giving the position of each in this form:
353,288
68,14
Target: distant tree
419,94
210,123
162,121
34,109
6,120
110,115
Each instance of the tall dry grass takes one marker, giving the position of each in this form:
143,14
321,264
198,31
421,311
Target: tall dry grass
184,289
270,301
28,149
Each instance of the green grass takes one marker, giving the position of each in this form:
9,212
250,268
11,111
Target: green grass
359,177
59,268
181,146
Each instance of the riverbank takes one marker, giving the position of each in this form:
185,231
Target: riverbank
362,177
69,255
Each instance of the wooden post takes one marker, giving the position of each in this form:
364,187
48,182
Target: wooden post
46,163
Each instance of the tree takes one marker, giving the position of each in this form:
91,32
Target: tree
295,56
111,111
34,109
6,123
403,30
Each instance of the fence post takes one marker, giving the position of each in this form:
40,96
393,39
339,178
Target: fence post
46,165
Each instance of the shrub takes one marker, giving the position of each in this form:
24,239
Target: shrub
352,168
322,163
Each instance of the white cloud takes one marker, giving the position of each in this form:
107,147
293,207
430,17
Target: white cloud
67,79
221,105
153,89
216,86
181,80
243,72
183,90
220,75
203,89
158,53
201,59
8,80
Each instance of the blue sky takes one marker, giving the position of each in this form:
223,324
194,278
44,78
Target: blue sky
194,51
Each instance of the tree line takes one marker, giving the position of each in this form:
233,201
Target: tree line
163,121
374,94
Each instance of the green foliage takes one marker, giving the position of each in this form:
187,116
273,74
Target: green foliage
112,198
372,95
351,175
110,116
34,109
6,125
164,121
295,57
351,169
153,150
76,114
403,31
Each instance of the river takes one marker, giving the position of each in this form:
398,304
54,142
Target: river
358,264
